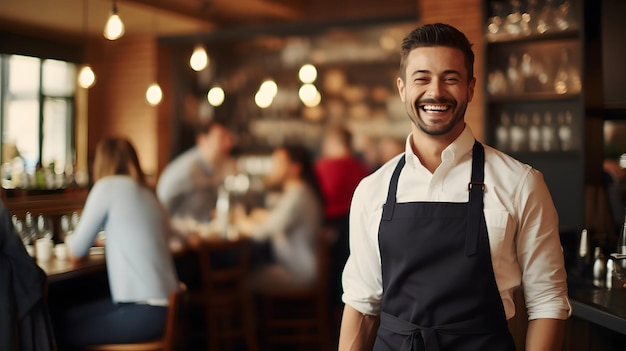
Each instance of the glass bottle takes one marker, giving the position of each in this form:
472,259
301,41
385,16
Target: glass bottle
534,133
565,130
599,268
502,132
584,256
514,75
548,133
567,77
610,267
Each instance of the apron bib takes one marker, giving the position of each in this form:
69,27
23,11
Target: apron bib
439,289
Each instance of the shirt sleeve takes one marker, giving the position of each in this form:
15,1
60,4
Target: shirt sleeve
92,220
539,251
362,277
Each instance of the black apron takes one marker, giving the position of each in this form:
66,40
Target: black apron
439,289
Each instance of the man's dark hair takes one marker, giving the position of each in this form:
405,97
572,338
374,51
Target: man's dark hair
437,34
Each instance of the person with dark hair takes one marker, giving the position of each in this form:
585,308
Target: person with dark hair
292,225
139,264
188,185
442,235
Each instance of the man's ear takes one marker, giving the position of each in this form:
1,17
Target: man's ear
400,85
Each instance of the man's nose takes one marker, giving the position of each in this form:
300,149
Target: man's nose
435,89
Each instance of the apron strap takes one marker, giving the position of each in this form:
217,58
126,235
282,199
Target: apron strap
476,188
389,206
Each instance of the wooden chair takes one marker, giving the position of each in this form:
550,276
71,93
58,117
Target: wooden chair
227,300
173,336
299,316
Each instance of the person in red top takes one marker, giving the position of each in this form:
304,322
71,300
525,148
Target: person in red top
338,172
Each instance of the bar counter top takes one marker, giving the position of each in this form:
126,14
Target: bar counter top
605,307
59,270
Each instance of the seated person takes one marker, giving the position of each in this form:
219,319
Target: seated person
139,264
188,185
292,225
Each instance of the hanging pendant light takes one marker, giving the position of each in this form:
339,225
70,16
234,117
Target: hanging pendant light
86,77
114,28
199,59
154,94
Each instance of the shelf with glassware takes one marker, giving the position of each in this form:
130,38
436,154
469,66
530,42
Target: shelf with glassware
521,20
534,93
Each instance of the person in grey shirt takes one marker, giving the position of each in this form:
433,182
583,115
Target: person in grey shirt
188,185
292,225
139,264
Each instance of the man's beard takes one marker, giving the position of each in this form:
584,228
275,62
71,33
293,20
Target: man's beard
459,113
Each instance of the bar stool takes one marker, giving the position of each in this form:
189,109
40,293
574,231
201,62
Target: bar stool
173,336
225,296
299,316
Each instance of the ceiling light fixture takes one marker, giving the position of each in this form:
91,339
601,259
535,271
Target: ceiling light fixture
114,28
154,94
199,59
86,76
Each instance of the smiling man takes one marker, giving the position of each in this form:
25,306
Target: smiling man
442,235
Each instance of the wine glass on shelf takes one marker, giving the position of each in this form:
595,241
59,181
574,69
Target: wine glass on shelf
545,20
494,23
44,227
513,22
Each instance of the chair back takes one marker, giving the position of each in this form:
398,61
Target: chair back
229,310
176,320
224,266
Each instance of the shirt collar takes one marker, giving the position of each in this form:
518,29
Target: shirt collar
457,149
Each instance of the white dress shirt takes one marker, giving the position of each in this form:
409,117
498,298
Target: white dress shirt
521,220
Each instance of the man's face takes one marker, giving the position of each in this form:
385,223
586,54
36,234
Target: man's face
435,90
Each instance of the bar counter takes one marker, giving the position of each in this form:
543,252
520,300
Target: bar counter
604,307
60,270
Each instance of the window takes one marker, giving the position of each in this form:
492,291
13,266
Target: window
37,113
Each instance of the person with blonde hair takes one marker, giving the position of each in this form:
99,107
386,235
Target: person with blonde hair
140,267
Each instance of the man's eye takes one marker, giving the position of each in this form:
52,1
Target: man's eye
451,80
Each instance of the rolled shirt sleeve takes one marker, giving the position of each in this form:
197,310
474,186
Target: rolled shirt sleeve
539,251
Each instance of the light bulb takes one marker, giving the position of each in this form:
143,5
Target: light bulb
199,59
307,73
86,77
269,87
307,92
154,94
215,96
114,28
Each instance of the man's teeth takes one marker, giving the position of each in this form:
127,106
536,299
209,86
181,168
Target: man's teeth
435,107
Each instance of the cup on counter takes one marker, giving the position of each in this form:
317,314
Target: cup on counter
43,249
60,251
